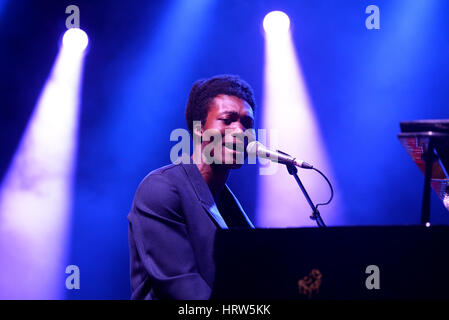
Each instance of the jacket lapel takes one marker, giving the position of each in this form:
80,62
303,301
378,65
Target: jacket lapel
214,213
203,193
250,224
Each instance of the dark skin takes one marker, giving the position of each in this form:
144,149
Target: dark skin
234,115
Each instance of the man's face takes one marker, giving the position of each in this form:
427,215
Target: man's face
230,116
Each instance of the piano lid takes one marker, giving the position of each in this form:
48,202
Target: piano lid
417,137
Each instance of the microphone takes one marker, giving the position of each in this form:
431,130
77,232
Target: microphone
255,148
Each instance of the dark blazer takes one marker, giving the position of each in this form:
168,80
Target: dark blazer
172,226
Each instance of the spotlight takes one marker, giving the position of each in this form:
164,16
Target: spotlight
289,115
75,39
276,22
36,194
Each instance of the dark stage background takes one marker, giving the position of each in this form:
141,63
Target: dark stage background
142,59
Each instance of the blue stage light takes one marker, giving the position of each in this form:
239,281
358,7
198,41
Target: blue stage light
276,22
75,39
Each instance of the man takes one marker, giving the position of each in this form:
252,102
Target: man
178,208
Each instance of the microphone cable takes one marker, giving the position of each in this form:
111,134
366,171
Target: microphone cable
330,186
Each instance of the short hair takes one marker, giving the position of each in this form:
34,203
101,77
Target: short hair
205,90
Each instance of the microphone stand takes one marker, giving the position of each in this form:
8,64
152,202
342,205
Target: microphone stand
315,213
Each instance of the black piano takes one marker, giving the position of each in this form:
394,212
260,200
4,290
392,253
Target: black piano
384,262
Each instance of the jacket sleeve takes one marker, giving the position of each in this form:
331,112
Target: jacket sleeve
162,241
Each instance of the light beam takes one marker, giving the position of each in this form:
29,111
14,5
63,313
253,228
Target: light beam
36,193
288,112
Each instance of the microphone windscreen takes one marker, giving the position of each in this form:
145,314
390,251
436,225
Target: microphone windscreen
252,147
